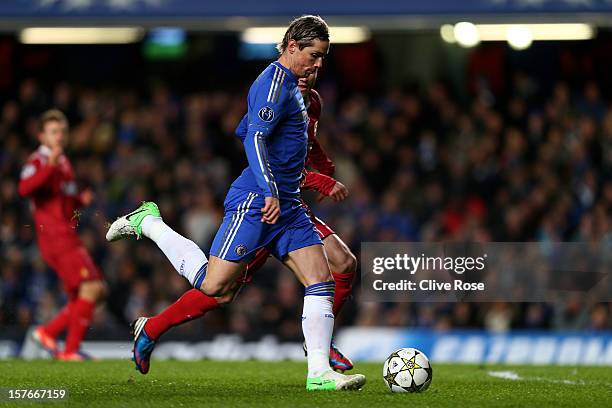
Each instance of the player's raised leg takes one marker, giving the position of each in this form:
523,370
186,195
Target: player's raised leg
310,267
186,258
184,255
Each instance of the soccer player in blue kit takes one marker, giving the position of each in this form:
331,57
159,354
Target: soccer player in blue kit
263,207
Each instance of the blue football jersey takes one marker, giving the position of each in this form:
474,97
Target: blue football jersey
274,134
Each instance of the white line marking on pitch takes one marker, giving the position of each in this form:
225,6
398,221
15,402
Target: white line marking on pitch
506,375
511,375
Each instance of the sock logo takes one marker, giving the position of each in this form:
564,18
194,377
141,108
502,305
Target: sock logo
182,268
331,316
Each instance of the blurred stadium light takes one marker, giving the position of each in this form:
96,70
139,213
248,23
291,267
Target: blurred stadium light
466,34
270,35
519,36
81,35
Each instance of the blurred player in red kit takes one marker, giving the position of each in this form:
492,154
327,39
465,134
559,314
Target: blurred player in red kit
48,181
343,263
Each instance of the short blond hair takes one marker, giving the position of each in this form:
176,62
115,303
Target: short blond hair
52,115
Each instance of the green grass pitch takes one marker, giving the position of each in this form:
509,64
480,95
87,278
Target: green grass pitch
238,384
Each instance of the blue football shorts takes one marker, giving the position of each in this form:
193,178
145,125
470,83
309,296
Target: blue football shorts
242,232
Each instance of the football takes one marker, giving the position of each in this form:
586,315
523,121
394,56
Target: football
407,370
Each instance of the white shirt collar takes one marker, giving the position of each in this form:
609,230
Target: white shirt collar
44,150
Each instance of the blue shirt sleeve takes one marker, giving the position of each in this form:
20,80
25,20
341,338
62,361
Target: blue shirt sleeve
241,129
267,104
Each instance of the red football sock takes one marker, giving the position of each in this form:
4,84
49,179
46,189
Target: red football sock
82,310
191,305
55,326
344,285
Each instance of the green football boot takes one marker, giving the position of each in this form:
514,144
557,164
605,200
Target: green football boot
131,224
332,381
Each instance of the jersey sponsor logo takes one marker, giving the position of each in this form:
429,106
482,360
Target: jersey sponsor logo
241,250
266,114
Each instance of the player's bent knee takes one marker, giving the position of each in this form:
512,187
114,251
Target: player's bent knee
215,289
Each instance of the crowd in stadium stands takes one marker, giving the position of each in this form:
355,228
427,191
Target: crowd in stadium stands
419,166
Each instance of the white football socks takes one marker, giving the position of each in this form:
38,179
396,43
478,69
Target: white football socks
318,325
185,255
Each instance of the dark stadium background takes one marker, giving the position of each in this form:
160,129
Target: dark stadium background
435,143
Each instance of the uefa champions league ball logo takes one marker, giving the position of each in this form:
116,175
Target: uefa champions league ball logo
266,114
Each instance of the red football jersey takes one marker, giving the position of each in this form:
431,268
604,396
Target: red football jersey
316,158
54,199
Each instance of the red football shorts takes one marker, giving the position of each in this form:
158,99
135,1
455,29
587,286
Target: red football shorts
74,267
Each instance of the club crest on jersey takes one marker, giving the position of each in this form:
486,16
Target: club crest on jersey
266,114
240,250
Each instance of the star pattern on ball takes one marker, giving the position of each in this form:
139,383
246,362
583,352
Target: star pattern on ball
410,364
404,361
390,378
